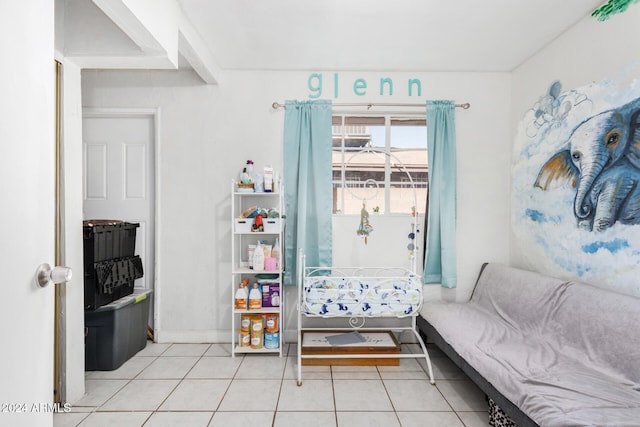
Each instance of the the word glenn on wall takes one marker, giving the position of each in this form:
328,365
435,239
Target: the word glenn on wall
384,86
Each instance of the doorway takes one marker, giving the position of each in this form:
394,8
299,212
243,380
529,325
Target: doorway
119,152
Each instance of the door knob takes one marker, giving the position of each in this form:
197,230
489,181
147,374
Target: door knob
46,275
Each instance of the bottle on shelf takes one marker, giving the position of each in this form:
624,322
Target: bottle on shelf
275,253
242,295
255,298
248,172
258,257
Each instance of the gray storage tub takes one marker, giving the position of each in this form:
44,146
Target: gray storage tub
116,331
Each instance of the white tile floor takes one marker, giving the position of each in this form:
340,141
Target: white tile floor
201,385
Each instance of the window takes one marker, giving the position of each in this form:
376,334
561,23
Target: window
375,160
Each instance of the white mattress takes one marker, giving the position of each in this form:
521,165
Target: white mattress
330,296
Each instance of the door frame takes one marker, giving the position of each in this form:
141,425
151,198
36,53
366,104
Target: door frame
154,113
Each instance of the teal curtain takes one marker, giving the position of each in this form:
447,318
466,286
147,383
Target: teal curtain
440,247
307,184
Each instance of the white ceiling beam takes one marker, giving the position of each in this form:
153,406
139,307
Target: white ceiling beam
161,30
123,17
151,25
122,62
196,52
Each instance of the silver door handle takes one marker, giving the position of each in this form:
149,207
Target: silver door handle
46,275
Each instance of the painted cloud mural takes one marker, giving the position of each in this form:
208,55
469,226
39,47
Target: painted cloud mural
576,184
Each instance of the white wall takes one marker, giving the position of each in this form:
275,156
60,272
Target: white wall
591,51
207,132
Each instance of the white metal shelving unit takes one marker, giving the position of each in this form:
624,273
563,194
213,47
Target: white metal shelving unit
241,237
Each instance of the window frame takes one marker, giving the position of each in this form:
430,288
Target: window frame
388,120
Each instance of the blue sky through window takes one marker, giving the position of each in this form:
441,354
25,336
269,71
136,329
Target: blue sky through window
401,136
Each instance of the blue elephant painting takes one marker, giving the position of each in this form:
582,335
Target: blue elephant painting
602,162
575,179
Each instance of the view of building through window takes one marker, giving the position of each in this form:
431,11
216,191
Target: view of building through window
379,161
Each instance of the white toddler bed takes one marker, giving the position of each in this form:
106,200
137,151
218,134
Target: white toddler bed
359,294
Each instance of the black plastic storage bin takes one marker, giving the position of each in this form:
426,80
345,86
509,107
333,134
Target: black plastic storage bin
94,299
116,331
110,267
108,280
108,239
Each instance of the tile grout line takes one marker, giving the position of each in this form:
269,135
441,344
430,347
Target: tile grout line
284,370
233,378
384,385
444,397
180,379
333,393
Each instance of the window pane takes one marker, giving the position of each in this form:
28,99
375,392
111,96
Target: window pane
368,168
409,163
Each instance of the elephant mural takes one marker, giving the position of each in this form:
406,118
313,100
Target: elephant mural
614,196
603,163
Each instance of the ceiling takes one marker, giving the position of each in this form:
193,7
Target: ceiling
399,35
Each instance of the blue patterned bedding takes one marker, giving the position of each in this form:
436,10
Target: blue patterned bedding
332,296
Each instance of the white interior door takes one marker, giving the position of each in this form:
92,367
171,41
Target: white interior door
27,175
26,310
118,152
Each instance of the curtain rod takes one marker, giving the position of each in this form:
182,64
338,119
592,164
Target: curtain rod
464,106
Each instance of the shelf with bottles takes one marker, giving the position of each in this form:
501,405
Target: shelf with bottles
264,181
255,334
260,257
259,296
259,310
259,333
257,235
